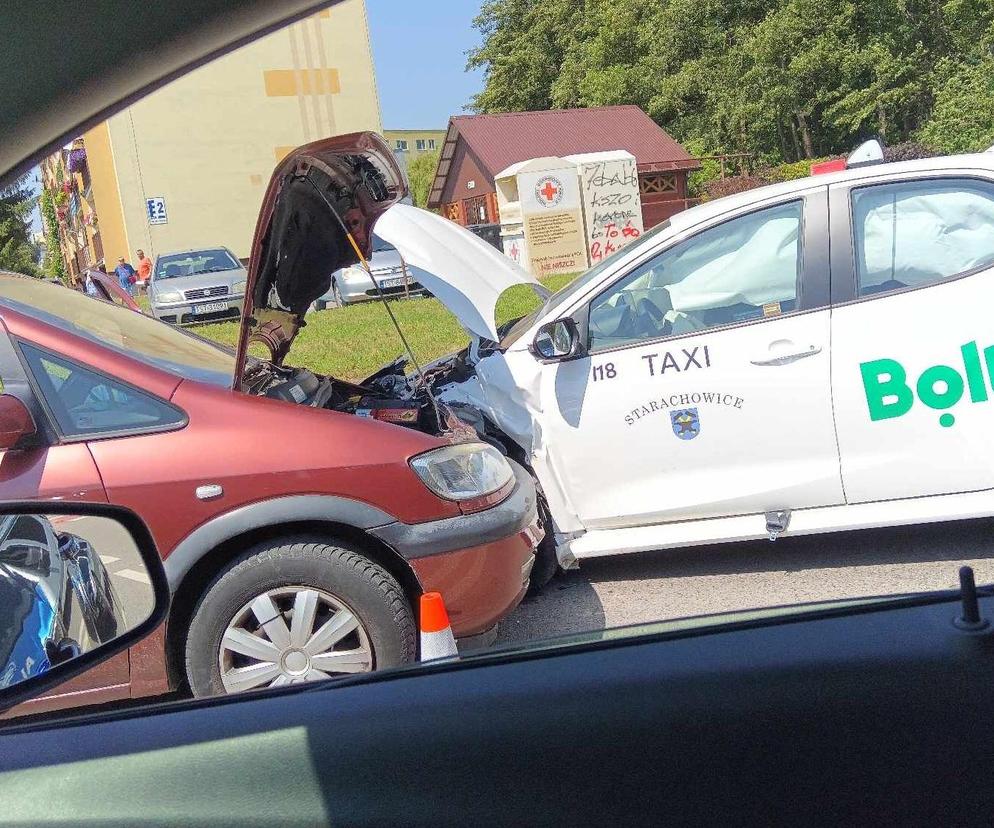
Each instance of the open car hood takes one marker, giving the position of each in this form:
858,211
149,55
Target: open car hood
464,272
322,194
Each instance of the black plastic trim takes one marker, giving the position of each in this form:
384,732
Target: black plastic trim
265,513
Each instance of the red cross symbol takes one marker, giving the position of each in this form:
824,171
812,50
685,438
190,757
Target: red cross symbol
549,191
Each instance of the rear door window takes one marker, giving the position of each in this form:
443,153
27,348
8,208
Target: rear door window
918,233
85,402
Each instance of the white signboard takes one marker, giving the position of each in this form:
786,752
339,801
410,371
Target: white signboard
514,248
612,206
553,220
155,209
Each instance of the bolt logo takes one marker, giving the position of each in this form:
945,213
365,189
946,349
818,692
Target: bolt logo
888,393
549,191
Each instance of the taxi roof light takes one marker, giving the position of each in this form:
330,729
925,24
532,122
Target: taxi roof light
869,152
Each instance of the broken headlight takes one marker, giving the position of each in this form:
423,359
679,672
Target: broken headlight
463,471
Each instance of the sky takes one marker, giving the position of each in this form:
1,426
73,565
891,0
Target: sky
420,53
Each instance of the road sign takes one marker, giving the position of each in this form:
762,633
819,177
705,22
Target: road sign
155,209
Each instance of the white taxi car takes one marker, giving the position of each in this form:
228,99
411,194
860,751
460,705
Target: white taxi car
806,357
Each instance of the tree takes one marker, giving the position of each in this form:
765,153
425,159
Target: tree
962,119
53,265
17,252
421,174
784,80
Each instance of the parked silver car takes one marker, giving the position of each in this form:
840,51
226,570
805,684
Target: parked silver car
352,284
197,285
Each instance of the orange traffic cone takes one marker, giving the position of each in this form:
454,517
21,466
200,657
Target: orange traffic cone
437,640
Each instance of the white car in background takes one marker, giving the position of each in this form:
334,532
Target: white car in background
807,357
391,275
200,285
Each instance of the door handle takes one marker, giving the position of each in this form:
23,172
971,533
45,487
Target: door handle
786,359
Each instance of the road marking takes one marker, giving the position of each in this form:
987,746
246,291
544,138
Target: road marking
109,559
132,575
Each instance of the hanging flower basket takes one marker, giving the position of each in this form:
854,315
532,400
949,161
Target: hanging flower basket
77,159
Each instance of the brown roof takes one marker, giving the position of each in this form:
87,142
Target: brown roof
500,140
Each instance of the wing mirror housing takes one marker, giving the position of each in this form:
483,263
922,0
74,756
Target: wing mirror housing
62,609
16,423
558,341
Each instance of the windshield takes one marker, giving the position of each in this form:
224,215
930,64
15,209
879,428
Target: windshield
132,334
214,260
562,296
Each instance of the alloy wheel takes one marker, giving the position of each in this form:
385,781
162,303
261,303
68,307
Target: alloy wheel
291,635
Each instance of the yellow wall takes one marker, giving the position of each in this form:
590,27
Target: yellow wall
105,196
412,136
208,142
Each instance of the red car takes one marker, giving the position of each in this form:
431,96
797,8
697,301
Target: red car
297,536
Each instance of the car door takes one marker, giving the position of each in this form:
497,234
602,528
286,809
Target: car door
706,391
912,357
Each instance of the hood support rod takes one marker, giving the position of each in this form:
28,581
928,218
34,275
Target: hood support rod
442,421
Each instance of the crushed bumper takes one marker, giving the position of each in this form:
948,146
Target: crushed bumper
479,562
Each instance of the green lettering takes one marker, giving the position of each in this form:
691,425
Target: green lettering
884,378
974,373
945,374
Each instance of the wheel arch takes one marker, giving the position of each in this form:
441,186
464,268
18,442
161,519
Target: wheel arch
198,559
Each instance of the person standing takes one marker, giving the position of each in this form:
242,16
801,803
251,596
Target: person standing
126,276
144,269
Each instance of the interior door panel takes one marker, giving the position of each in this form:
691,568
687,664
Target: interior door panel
881,714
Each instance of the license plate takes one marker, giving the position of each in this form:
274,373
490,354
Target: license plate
392,283
210,307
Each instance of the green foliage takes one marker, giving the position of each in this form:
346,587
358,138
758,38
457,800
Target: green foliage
784,80
354,341
53,265
962,119
17,252
421,174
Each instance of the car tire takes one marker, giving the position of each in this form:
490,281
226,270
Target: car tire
344,581
546,565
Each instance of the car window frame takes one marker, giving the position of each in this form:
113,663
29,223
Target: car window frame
813,282
89,436
845,287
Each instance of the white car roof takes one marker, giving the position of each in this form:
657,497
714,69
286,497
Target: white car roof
710,209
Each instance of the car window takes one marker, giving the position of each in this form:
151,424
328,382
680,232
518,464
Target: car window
744,269
920,232
113,326
86,402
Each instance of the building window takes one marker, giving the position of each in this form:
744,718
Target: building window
657,183
476,210
431,143
419,144
401,145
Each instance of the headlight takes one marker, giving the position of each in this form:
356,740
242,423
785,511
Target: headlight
463,471
354,272
239,286
168,296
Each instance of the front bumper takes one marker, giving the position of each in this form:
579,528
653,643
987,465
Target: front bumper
181,312
480,562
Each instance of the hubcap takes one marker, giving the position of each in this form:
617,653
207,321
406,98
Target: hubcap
292,635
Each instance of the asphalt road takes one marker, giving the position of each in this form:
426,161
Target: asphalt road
633,589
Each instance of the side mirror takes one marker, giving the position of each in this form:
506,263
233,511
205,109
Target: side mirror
557,341
15,422
62,608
